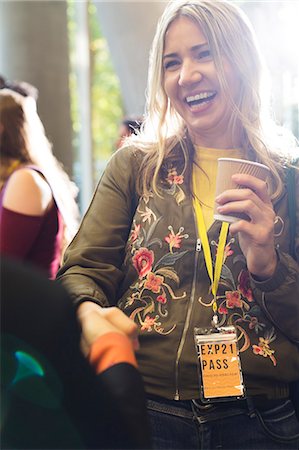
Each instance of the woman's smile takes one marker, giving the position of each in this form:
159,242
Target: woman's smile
201,101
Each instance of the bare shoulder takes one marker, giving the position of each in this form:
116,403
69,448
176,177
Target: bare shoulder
27,192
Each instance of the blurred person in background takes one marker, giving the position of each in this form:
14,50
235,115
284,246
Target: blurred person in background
52,397
128,126
38,209
22,87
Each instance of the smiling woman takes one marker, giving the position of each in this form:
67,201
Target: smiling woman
192,85
188,281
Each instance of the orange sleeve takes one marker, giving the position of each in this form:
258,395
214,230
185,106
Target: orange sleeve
109,349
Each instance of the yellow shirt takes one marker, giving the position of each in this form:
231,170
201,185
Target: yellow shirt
205,171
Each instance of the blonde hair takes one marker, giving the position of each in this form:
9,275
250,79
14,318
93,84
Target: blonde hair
229,35
23,141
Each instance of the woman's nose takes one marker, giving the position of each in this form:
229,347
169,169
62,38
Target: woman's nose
189,74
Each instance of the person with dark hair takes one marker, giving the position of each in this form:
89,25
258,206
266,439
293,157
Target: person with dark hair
21,87
52,397
215,302
38,210
129,126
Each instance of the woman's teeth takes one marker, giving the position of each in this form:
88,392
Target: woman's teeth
197,99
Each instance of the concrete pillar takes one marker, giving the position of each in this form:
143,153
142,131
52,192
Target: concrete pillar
34,48
129,28
81,65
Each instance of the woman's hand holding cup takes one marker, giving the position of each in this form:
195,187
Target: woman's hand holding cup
243,200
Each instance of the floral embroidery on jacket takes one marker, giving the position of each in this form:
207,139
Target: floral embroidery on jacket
174,240
263,348
142,261
147,214
174,180
152,292
236,307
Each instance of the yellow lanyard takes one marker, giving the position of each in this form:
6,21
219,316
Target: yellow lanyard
214,276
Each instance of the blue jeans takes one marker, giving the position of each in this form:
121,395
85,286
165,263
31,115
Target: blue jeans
184,425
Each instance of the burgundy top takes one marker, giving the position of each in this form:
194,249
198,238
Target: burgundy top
36,239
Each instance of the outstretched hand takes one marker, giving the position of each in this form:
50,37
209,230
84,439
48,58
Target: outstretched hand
256,237
97,321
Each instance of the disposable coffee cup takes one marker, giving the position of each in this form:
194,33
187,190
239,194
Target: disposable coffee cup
228,167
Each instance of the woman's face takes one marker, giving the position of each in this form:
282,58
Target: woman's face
192,86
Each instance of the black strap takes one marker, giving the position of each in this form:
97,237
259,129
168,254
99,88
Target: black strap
290,182
292,208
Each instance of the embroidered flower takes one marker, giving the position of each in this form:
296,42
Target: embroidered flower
244,285
153,282
222,310
175,183
135,233
143,261
147,302
255,325
233,299
227,249
161,299
252,323
174,240
257,350
178,179
227,252
131,299
148,323
263,349
147,215
174,178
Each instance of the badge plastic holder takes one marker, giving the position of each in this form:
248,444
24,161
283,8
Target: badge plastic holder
221,378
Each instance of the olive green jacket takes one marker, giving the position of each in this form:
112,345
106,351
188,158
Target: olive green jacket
144,255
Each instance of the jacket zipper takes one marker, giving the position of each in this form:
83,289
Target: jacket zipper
187,322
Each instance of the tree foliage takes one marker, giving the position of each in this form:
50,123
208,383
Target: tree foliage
107,109
106,103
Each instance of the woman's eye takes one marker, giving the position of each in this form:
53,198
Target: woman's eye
170,64
204,54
